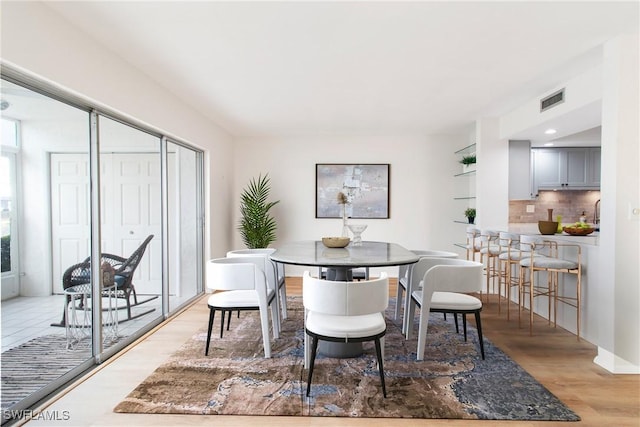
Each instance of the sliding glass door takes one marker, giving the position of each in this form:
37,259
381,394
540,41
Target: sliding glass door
185,222
68,175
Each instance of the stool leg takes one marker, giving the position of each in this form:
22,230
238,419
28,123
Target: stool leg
578,296
531,280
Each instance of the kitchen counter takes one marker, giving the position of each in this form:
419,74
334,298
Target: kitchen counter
592,239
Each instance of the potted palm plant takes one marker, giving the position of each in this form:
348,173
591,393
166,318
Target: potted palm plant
257,227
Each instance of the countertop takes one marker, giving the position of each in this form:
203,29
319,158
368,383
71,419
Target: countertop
532,229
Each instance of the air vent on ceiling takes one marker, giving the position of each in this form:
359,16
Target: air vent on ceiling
552,100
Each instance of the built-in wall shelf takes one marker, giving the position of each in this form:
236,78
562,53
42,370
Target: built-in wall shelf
469,149
464,191
473,172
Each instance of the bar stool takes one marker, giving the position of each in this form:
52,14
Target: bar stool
509,259
544,256
538,260
473,244
566,266
490,250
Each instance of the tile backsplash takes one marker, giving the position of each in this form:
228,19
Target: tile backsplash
568,203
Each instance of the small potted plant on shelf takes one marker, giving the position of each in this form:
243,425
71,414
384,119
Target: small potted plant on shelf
470,213
468,163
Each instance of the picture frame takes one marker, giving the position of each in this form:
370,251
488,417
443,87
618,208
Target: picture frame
366,187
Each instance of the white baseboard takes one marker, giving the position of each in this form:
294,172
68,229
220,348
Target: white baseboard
615,364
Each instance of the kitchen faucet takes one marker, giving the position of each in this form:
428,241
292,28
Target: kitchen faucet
596,217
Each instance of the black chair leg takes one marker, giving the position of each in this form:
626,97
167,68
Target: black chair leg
479,328
222,323
380,366
464,325
212,314
229,319
314,347
455,318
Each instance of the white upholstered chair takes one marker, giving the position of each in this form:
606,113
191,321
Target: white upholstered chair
446,286
404,274
345,312
240,284
274,272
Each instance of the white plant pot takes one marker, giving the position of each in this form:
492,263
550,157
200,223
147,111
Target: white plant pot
468,168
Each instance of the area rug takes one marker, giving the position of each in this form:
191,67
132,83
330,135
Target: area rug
32,365
452,382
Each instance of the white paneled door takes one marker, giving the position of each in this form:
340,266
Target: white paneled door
69,213
131,210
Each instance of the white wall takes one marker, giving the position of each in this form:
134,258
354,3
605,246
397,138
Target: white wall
619,344
421,181
37,41
492,182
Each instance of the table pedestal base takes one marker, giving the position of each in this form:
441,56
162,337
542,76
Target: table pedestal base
340,274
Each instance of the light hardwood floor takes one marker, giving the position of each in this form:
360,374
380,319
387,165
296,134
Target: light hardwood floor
553,356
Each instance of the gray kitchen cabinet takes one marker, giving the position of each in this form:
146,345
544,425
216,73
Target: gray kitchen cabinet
594,167
571,168
520,180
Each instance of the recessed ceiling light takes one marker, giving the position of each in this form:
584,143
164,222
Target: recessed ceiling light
548,144
550,131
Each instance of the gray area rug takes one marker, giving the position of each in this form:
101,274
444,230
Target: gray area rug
32,365
452,382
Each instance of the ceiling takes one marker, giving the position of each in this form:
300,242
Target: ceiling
295,68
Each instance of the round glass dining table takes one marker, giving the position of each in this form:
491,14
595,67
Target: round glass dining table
339,263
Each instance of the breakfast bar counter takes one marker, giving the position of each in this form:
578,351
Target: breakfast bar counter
532,229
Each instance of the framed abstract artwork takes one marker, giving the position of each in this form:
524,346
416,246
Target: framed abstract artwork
361,189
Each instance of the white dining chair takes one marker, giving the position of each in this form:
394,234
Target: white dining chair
240,284
344,312
446,286
404,274
275,276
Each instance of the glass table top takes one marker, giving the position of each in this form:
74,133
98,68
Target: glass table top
369,254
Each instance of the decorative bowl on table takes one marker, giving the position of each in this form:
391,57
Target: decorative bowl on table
547,227
335,242
578,231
